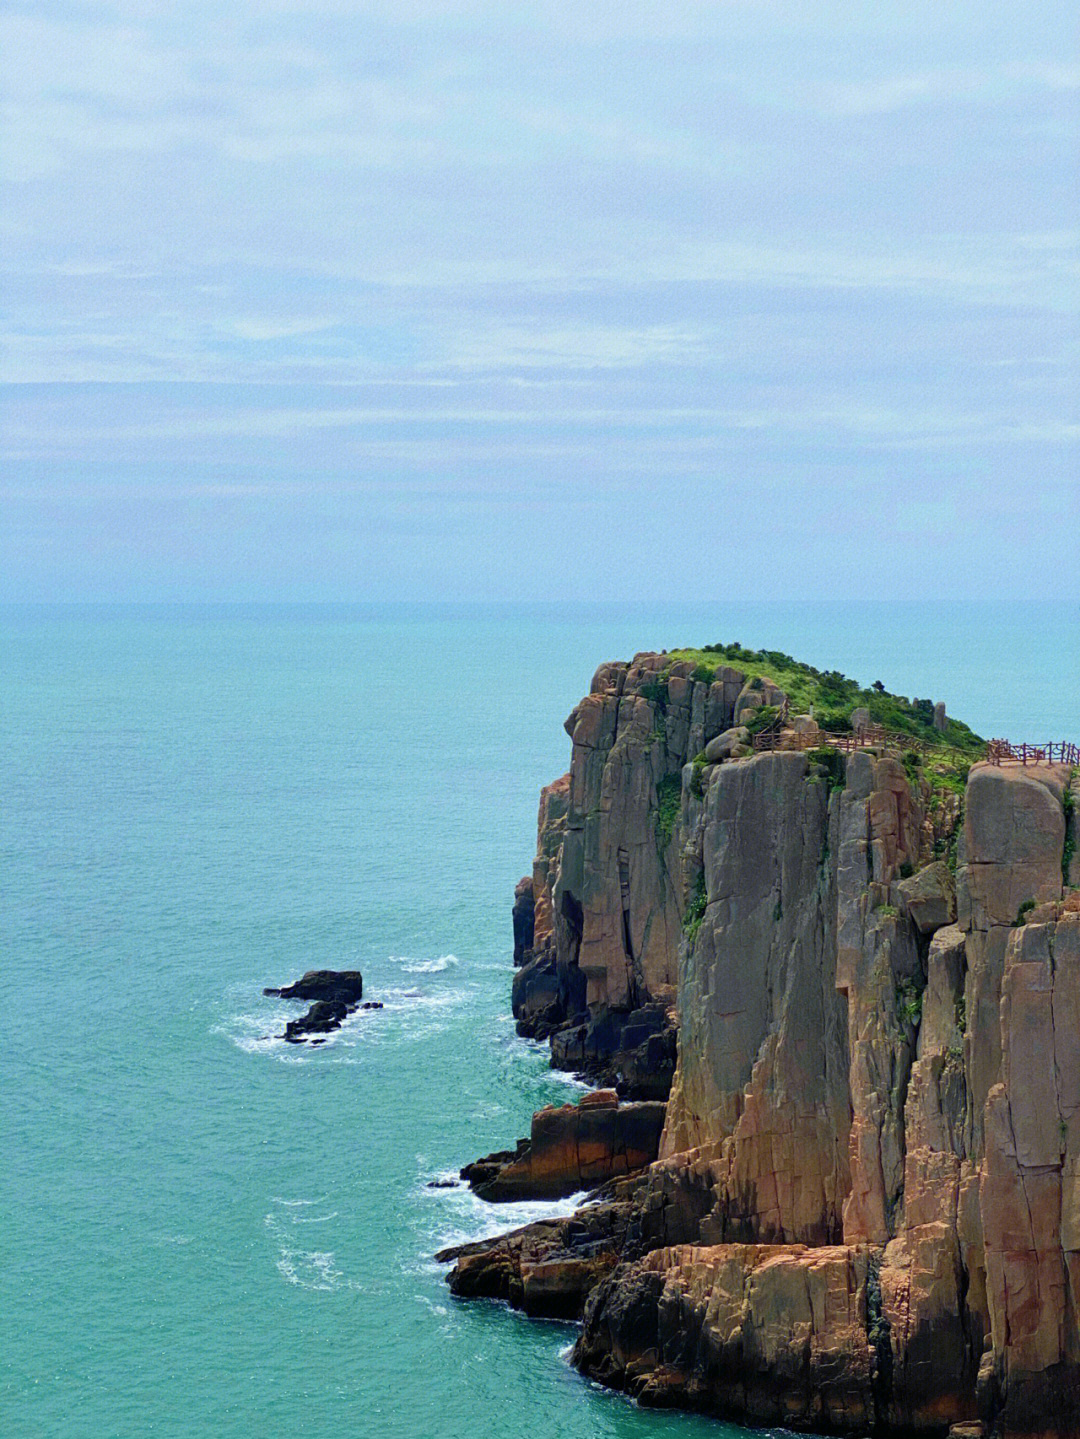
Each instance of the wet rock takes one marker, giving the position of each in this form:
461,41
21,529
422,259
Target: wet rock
343,985
547,1268
335,992
324,1016
524,916
571,1147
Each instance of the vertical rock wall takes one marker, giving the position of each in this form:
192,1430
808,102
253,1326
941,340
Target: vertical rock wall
866,1211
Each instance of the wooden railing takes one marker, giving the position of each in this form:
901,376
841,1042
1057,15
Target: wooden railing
769,737
872,737
877,737
1056,752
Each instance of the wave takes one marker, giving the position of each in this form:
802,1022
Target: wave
459,1216
306,1268
424,966
310,1269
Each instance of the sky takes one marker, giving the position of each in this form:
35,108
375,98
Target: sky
361,300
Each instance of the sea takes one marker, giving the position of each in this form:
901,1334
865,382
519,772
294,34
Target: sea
208,1233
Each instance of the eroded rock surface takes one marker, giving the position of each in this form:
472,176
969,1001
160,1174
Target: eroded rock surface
572,1147
865,1213
335,994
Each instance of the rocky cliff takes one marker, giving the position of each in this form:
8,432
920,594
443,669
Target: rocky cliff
865,1216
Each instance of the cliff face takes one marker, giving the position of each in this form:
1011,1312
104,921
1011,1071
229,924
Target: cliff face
608,889
866,1211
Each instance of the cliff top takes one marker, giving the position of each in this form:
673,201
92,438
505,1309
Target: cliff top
834,696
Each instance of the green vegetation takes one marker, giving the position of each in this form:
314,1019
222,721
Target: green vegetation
1023,912
668,799
656,691
834,696
761,719
946,772
827,764
695,910
887,911
961,1014
697,772
1068,803
909,1002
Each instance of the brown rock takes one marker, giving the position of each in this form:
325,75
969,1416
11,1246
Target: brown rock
572,1147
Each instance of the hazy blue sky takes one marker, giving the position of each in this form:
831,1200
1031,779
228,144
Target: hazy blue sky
339,299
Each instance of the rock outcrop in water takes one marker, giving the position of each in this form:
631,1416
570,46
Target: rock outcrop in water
335,994
572,1147
865,1216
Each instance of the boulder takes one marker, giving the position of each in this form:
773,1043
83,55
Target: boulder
929,897
572,1147
724,745
806,727
750,700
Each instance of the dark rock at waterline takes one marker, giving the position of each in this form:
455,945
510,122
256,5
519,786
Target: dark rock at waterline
345,986
323,1016
372,1004
335,994
549,1268
442,1184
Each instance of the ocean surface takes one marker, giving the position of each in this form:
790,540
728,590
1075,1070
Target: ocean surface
207,1232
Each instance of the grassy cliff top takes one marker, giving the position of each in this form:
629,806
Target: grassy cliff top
834,696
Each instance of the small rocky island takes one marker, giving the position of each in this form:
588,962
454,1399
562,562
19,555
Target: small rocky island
831,941
335,994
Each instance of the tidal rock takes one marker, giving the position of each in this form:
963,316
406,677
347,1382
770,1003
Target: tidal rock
547,1268
344,985
324,1016
572,1147
335,992
524,917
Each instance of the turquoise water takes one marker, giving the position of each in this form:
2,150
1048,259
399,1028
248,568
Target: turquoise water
209,1233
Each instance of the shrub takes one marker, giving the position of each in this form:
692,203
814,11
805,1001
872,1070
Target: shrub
695,910
909,997
696,775
668,800
762,719
828,763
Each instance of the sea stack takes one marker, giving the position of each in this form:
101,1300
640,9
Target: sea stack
849,960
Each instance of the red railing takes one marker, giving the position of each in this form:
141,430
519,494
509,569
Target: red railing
1056,752
872,737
